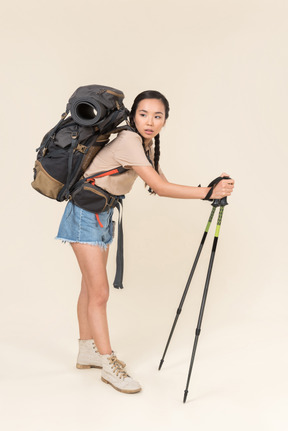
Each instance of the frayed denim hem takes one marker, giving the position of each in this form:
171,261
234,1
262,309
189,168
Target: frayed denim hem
100,244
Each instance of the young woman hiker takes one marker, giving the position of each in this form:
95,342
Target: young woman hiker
90,237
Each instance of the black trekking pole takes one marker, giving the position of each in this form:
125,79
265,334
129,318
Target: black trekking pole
179,309
215,204
222,203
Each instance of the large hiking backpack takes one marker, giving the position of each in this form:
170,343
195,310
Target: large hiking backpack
67,150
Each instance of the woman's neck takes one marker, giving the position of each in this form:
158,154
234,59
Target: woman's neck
147,143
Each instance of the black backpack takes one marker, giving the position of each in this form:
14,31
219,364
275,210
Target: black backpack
68,149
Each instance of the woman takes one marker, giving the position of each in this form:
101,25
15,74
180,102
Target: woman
90,236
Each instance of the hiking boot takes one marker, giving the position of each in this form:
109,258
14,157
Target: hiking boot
88,356
114,373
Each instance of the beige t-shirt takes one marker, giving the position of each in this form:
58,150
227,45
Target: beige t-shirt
125,150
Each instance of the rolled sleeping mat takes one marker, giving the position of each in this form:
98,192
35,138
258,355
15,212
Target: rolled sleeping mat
87,113
89,104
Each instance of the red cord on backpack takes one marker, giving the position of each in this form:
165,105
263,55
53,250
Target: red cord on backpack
98,219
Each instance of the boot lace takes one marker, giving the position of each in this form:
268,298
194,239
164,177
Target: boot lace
118,367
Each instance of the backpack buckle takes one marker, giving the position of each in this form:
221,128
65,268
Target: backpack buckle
81,148
111,201
74,135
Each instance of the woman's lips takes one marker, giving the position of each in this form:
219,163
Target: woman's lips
148,131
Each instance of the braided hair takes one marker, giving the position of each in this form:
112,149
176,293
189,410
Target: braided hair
150,94
156,152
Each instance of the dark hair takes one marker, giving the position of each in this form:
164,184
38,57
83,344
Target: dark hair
150,94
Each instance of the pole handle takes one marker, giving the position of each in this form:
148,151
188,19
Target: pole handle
219,202
216,202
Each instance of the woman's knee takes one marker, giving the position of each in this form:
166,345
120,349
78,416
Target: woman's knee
98,297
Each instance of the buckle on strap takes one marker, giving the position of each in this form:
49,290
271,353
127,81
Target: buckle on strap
81,148
91,181
111,201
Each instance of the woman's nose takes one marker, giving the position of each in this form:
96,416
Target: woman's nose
150,121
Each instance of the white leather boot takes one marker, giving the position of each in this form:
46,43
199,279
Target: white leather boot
114,373
88,356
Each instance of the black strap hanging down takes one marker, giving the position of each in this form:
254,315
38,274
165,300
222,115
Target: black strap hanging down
65,191
118,281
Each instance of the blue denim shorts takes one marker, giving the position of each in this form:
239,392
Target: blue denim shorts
78,225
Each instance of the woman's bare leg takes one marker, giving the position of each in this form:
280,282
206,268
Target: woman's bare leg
85,332
94,295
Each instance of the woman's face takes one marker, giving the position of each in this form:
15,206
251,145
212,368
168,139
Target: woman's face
149,118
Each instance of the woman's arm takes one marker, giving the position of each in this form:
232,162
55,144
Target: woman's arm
162,187
161,173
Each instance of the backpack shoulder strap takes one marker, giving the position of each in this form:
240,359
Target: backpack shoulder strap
111,172
103,138
91,178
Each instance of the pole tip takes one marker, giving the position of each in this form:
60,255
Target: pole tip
161,363
185,395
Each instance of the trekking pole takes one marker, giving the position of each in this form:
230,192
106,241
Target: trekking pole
179,309
222,203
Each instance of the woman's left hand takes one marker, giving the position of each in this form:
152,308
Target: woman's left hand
224,188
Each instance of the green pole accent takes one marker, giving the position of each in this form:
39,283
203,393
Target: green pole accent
219,221
210,219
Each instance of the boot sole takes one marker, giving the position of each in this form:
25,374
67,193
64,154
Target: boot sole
125,391
85,367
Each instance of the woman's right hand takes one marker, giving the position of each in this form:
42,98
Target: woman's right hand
223,188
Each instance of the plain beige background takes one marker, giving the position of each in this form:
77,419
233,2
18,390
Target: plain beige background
223,66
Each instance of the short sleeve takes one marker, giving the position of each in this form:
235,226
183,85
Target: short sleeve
129,150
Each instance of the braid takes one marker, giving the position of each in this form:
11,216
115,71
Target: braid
157,152
156,158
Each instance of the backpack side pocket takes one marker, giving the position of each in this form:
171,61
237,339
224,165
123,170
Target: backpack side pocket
44,183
